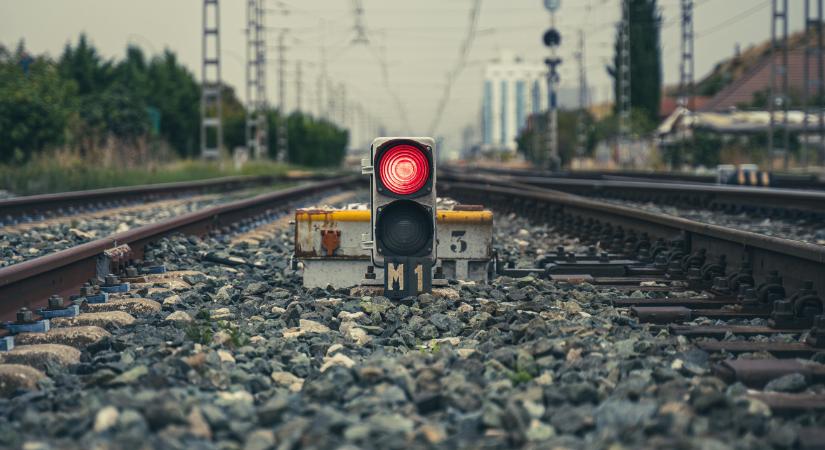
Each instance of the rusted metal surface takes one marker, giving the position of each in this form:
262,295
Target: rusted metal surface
29,283
780,349
756,373
330,240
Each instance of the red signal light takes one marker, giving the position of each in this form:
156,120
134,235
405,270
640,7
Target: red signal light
404,169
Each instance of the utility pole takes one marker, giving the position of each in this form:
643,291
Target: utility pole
686,70
282,126
360,30
331,103
779,17
342,91
298,86
813,33
211,129
581,125
256,121
322,74
624,86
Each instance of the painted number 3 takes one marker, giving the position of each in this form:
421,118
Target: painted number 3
459,245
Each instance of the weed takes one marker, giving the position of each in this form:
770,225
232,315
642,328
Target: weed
200,334
519,377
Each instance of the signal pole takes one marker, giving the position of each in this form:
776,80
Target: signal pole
256,122
282,128
624,86
552,39
779,17
686,68
211,128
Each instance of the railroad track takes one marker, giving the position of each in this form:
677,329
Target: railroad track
765,201
779,180
32,208
735,277
23,284
590,337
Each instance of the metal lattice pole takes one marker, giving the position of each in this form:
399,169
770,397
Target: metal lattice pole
686,67
211,128
625,101
813,33
779,16
256,121
282,125
298,86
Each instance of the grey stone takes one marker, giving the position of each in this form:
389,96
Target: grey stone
794,382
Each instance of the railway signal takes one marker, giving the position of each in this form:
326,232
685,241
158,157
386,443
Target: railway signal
403,208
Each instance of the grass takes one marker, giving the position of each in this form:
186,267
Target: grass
204,331
46,175
520,377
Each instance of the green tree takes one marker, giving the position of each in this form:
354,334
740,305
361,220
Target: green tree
312,142
176,95
83,65
35,108
532,140
645,59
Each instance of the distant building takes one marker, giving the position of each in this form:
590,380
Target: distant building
513,90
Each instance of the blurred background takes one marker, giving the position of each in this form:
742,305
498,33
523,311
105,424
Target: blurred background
96,92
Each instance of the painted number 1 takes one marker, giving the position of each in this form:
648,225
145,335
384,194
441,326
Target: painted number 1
395,274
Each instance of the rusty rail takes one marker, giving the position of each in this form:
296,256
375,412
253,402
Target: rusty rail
779,180
694,194
43,204
29,283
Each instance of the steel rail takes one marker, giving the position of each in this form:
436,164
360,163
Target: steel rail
705,195
29,283
779,180
16,207
797,261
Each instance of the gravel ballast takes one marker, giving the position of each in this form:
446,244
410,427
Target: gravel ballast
245,358
25,241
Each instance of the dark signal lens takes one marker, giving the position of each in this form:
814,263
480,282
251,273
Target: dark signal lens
404,228
404,169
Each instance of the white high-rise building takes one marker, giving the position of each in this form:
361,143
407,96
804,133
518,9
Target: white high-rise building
513,89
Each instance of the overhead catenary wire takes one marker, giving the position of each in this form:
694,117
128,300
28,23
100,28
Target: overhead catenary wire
463,53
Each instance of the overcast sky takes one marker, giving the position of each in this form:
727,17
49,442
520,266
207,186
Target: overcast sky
420,40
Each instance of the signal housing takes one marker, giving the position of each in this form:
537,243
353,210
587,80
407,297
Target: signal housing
403,217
